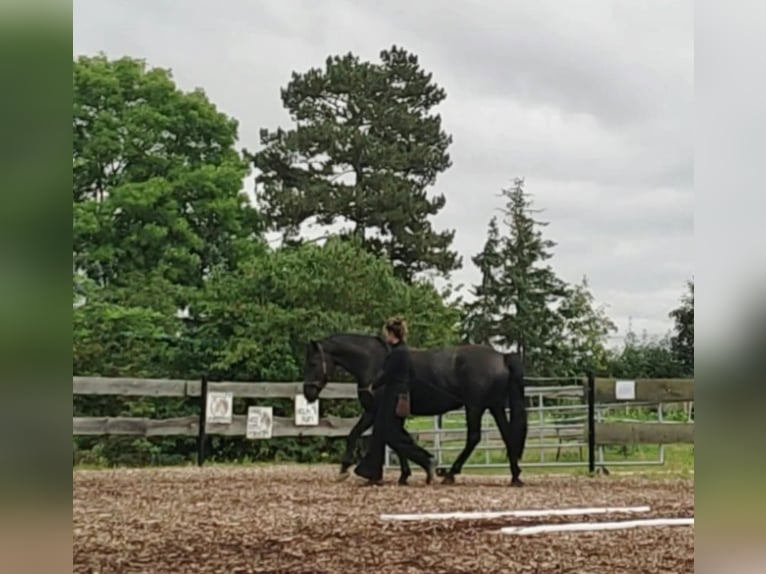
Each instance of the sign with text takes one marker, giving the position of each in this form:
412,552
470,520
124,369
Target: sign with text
625,390
306,413
260,422
220,407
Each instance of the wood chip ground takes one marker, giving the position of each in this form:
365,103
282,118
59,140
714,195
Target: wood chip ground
297,519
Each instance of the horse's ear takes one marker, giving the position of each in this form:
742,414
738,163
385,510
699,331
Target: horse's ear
312,345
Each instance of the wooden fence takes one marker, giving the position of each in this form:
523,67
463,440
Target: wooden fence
596,392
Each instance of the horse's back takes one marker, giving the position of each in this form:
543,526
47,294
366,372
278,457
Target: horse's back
477,374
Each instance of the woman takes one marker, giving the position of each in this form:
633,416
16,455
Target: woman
392,409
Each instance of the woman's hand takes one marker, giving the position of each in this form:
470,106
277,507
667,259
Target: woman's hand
403,406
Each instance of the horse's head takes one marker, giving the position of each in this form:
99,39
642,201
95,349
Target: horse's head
317,368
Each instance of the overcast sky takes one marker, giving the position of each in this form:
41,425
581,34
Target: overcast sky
591,102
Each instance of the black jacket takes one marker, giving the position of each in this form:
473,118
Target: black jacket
397,370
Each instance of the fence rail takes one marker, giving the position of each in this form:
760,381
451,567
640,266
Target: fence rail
648,390
587,429
189,426
261,390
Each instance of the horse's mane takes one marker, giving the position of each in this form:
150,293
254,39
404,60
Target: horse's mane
351,335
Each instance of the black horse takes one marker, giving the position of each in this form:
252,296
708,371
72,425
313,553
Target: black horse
475,377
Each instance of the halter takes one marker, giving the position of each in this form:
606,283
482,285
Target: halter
323,358
320,386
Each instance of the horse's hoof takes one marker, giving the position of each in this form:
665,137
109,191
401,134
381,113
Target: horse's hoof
448,479
342,476
517,482
402,482
431,469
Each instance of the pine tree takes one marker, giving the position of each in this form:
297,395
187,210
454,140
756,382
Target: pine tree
522,304
364,150
481,315
528,287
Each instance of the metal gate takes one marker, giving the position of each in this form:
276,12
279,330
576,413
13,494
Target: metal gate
558,436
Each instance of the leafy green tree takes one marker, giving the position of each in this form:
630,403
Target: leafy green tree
584,332
682,341
364,150
259,318
157,181
645,357
113,340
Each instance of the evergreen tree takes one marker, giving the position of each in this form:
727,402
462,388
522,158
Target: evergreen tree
521,303
682,341
364,150
528,288
481,315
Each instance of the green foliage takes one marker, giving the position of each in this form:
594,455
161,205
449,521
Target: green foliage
113,340
365,148
156,178
585,327
682,341
258,319
644,357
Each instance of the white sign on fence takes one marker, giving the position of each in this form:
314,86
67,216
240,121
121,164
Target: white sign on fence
260,422
625,390
306,413
220,407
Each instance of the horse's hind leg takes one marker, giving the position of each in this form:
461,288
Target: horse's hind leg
404,469
473,422
498,413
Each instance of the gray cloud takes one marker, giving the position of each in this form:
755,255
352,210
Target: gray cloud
592,103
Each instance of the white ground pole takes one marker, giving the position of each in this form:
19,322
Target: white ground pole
515,513
591,526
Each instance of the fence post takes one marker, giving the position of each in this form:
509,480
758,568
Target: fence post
201,434
591,396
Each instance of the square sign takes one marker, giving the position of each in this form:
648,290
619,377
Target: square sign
306,413
260,422
625,390
220,407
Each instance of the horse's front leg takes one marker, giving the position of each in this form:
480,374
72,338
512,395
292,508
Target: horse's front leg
365,421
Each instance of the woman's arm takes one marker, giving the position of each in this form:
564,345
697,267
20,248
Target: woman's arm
395,372
400,375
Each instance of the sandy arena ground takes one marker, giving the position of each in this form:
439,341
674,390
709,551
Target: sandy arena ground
298,519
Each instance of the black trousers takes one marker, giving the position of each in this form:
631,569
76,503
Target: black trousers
388,429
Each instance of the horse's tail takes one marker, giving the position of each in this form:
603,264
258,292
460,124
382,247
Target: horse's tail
517,402
515,374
